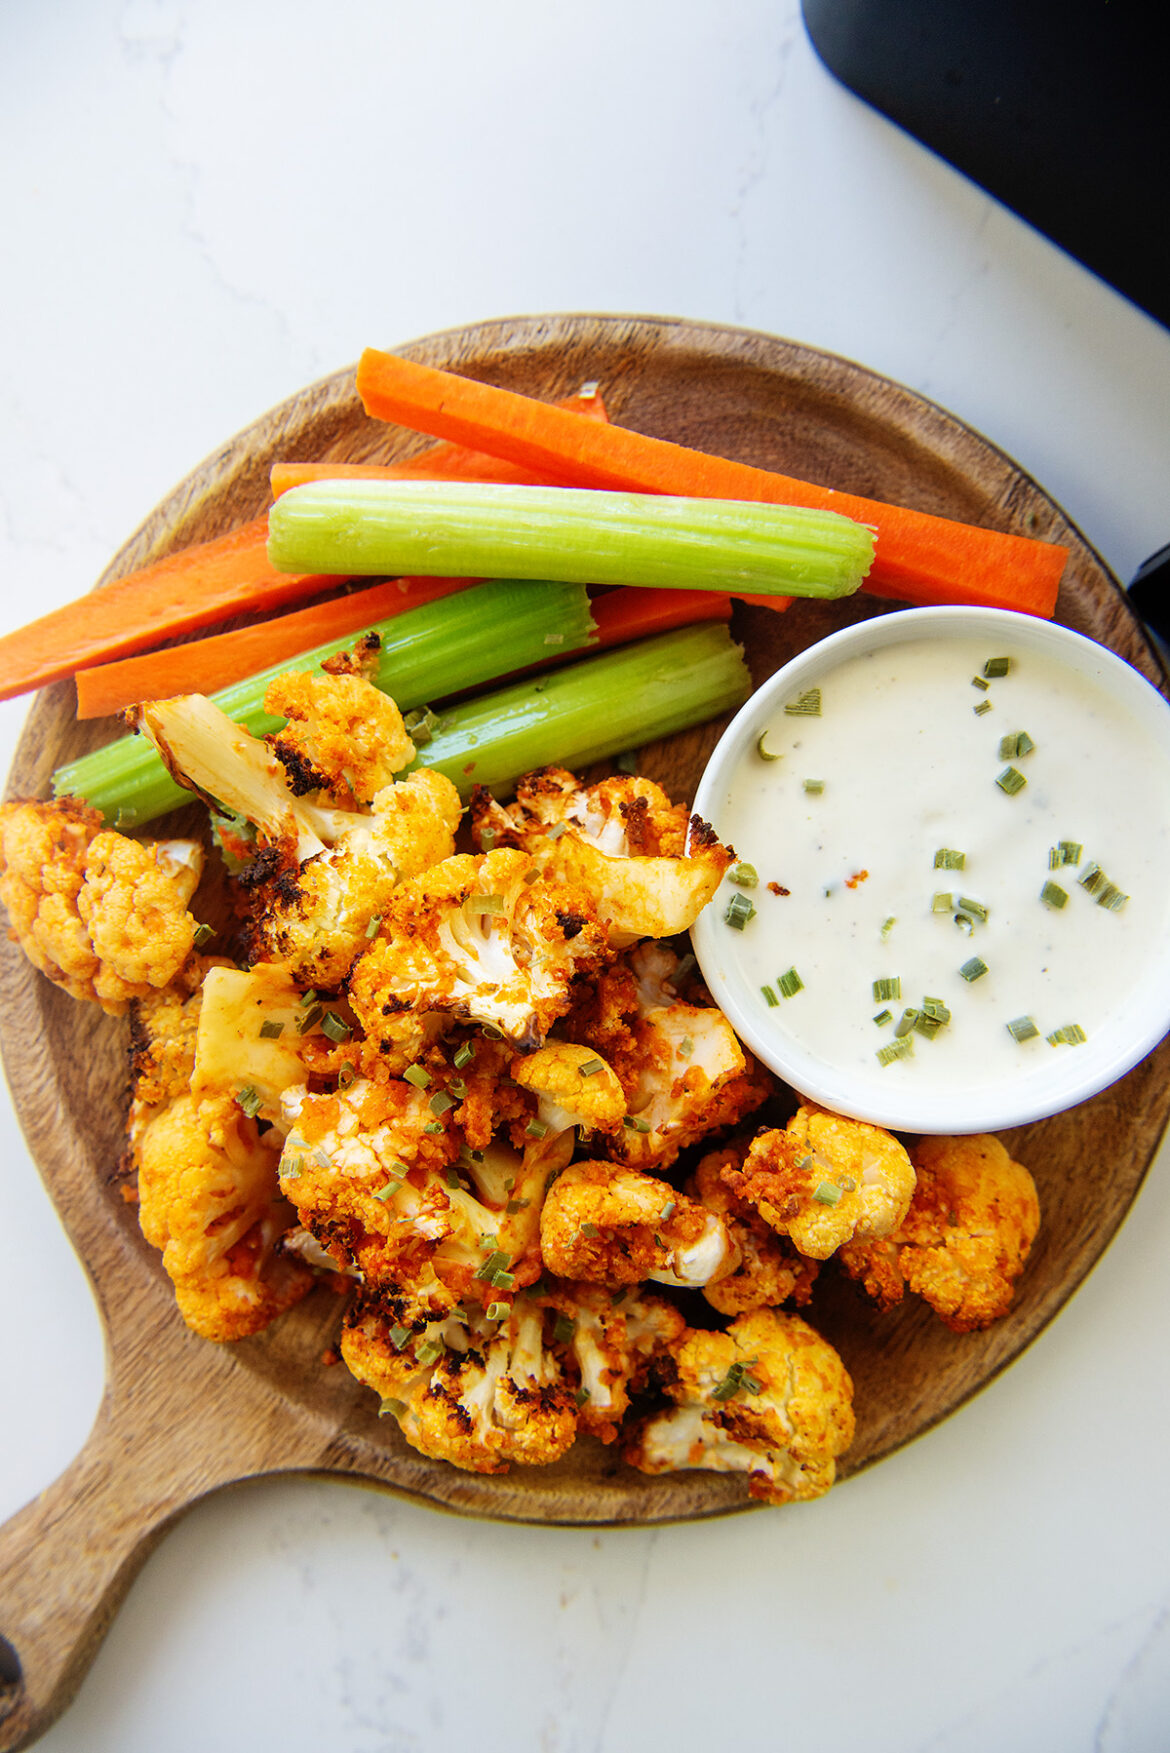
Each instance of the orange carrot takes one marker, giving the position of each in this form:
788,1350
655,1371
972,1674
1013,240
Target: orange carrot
630,612
439,462
920,557
202,666
193,588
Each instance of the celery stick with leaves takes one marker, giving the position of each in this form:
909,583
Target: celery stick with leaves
478,529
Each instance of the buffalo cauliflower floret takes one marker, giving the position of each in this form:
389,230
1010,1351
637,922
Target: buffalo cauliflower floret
611,1225
684,1071
482,938
769,1398
622,840
608,1343
208,1197
482,1394
770,1271
386,1187
343,736
965,1239
825,1181
320,915
573,1087
101,915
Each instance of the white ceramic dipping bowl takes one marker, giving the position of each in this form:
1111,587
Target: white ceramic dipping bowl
907,768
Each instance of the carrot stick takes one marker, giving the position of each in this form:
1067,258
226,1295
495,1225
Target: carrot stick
439,462
920,558
203,666
193,588
630,612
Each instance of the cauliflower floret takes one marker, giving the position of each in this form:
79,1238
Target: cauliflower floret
825,1181
385,1186
770,1270
99,914
320,916
966,1237
615,1226
608,1342
684,1072
573,1086
769,1398
479,938
208,1197
482,1395
343,736
622,840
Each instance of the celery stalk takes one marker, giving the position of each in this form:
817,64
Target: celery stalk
438,649
478,529
592,709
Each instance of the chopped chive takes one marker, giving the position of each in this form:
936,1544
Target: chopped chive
335,1027
536,1129
669,1209
827,1193
1112,898
997,666
763,753
1093,878
440,1102
806,705
965,923
346,1075
492,1031
399,1336
372,924
390,1408
983,706
686,1047
433,1127
564,1328
249,1099
495,1262
464,1055
731,1384
308,1018
979,682
477,905
419,1076
814,787
947,858
320,1158
1015,745
746,876
582,1397
635,1123
1071,1035
974,909
888,925
557,829
590,1230
498,1311
293,1169
883,1017
903,1048
430,1352
890,987
942,901
1022,1028
1011,780
935,1008
271,1030
421,725
770,998
790,983
739,911
514,1206
386,1192
203,934
906,1022
1053,895
1065,852
458,1089
974,969
590,1067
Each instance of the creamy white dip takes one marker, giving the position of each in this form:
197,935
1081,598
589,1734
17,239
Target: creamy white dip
903,767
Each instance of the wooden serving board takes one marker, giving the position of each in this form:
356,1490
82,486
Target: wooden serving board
182,1417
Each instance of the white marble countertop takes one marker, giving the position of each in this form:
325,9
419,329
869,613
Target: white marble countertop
203,207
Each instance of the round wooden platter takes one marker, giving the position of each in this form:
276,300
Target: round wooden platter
182,1417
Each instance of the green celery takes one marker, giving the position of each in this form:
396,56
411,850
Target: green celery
441,648
592,709
479,529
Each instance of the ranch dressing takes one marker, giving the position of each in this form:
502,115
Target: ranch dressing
903,768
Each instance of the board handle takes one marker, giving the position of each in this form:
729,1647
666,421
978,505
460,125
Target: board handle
68,1558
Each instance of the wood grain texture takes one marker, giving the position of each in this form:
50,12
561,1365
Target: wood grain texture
182,1417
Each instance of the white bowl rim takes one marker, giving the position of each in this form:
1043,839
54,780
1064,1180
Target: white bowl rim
1074,1076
